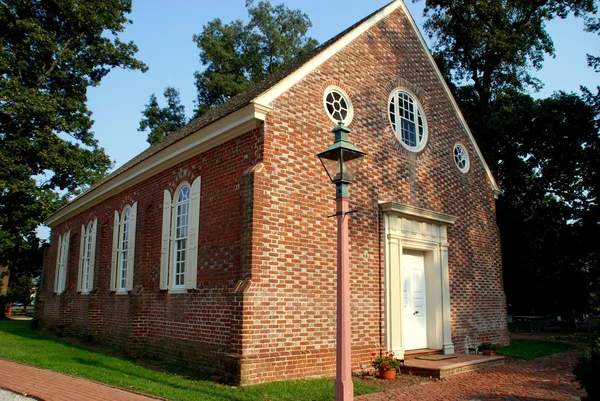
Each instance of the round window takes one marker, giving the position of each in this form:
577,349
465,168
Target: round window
408,120
461,158
338,105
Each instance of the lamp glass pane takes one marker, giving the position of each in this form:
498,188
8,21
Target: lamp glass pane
351,163
331,163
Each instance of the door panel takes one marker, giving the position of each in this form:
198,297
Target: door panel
415,306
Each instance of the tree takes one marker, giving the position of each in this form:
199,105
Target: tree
50,53
593,25
236,55
492,45
160,121
546,164
540,151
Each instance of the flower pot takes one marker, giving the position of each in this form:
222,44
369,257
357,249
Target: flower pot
387,374
489,352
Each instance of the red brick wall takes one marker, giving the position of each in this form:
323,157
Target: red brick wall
292,309
194,328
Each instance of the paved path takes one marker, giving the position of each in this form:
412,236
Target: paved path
546,379
47,385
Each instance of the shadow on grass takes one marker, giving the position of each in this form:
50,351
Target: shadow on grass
17,341
110,366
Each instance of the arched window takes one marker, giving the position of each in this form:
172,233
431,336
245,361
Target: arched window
62,258
123,255
124,248
180,235
87,257
408,120
179,249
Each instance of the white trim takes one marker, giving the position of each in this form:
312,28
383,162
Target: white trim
59,250
221,131
275,91
131,246
495,187
63,263
82,240
402,232
417,213
165,241
115,251
93,255
191,261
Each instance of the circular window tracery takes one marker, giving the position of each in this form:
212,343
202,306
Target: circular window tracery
338,105
408,120
461,158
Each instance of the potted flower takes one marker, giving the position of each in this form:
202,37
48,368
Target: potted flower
387,364
487,347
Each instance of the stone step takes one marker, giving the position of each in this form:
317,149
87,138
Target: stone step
440,366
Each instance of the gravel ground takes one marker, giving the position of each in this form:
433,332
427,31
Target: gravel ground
10,396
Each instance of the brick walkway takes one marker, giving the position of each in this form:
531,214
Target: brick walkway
51,386
546,379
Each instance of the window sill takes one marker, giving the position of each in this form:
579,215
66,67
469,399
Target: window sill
177,291
121,292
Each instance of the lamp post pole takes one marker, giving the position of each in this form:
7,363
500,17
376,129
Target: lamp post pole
342,161
344,388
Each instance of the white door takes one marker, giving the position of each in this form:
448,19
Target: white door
415,309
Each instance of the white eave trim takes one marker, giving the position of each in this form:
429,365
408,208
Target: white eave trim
220,131
417,213
495,187
277,90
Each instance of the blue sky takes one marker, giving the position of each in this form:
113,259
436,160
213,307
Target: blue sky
163,32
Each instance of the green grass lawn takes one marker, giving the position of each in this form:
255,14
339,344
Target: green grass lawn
531,349
19,343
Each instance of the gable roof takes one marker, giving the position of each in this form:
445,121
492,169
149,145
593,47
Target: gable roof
251,103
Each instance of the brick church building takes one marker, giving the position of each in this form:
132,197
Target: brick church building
213,248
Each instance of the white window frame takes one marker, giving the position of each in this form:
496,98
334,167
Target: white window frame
421,140
462,150
169,239
124,242
348,120
62,263
178,255
87,257
121,275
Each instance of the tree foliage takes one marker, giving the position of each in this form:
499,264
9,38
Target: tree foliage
236,55
160,121
50,53
493,45
593,25
545,161
543,152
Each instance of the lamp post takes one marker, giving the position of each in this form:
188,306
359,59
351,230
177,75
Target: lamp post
342,161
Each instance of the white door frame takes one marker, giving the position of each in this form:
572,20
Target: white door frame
408,227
